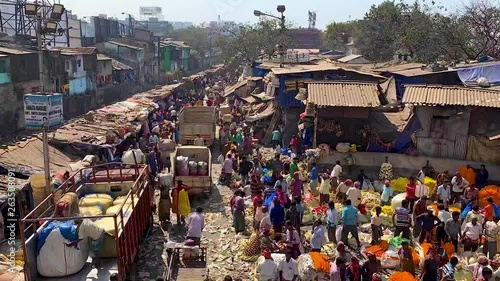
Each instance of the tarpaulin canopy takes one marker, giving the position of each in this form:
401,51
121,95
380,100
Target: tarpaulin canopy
472,74
261,111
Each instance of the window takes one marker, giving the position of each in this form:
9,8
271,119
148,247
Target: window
3,66
79,63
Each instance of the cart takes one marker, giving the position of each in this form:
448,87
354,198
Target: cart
186,267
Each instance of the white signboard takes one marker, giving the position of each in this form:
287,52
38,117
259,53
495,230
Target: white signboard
149,11
43,110
293,57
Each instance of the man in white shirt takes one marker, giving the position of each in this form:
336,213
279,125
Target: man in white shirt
354,194
491,232
288,268
195,225
265,223
458,185
421,190
318,238
332,221
444,193
336,173
267,269
472,235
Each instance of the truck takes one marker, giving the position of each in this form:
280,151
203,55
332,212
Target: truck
197,184
196,120
132,221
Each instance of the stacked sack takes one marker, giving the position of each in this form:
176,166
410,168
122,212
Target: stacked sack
95,204
181,166
202,168
193,168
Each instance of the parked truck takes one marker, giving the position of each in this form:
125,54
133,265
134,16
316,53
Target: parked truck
196,120
120,231
198,180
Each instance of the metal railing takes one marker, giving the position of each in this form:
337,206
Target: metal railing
128,231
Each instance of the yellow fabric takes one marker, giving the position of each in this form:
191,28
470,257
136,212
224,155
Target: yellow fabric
103,200
481,149
119,200
184,206
90,211
320,262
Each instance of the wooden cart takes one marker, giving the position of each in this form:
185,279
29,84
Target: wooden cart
192,268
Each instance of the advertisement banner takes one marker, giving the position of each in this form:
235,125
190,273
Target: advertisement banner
43,110
149,11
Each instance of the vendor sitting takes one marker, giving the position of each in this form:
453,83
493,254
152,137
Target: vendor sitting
266,243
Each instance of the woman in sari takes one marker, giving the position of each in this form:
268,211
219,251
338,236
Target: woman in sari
353,272
406,257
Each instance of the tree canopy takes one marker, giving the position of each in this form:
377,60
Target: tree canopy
424,30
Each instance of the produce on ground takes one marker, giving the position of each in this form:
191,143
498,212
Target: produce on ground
402,276
431,184
378,250
488,191
370,199
320,212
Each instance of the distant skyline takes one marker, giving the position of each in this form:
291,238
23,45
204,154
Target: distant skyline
199,11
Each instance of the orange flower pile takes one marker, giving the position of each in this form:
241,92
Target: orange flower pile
378,250
320,262
402,276
425,248
488,191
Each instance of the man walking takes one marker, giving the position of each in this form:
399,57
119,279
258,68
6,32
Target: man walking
195,225
350,222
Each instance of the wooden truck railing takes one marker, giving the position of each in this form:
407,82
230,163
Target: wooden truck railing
129,232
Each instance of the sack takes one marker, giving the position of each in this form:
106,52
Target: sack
166,179
91,211
119,200
128,157
390,260
338,233
104,201
166,145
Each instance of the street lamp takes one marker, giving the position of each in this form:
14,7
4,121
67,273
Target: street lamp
281,9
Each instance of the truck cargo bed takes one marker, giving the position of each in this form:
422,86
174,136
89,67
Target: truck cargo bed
98,272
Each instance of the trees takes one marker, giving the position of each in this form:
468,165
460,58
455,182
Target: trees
195,36
337,34
424,30
246,43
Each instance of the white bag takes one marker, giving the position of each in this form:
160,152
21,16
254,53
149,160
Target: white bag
338,233
128,156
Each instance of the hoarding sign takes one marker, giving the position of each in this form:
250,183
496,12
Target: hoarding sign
43,110
149,11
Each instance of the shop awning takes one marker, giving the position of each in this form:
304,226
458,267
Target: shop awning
261,111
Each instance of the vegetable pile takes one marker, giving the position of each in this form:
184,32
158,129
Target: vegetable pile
488,191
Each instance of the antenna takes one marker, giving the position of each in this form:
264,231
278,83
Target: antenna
312,19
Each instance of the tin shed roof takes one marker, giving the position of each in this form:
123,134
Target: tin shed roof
439,95
344,94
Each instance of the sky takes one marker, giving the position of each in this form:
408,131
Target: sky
199,11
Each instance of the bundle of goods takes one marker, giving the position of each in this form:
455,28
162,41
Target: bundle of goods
166,179
313,266
166,145
67,205
181,166
133,156
370,199
397,200
390,259
91,211
202,168
227,118
400,184
324,150
343,147
402,276
489,191
55,258
100,200
249,249
108,248
193,168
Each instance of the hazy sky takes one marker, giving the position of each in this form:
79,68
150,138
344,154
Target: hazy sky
199,11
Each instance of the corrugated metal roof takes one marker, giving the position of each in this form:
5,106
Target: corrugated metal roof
103,57
11,51
349,58
438,95
74,51
117,65
344,94
125,45
179,44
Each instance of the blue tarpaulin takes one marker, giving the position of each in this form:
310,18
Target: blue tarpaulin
472,74
402,144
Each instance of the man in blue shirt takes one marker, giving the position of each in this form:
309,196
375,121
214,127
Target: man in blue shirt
332,221
276,138
350,222
277,216
314,177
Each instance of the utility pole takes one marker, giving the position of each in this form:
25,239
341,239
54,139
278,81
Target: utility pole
45,138
159,59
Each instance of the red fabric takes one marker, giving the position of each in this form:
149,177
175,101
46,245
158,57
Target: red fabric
488,212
